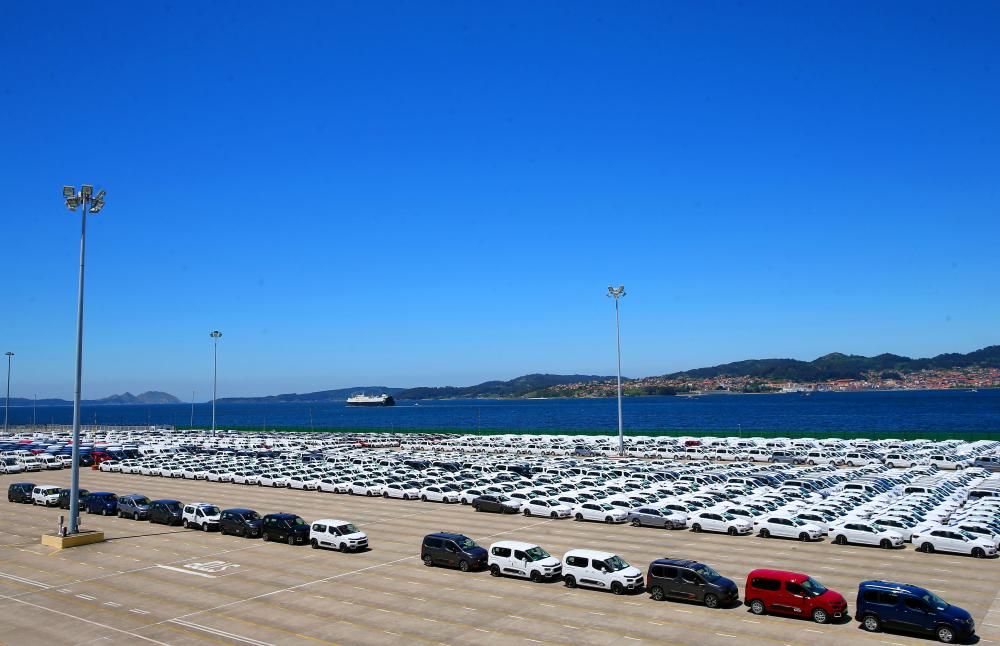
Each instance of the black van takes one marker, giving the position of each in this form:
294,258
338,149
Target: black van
285,527
686,580
452,550
166,512
64,497
20,492
241,522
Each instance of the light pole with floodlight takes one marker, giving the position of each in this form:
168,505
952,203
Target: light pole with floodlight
6,406
618,293
91,203
215,371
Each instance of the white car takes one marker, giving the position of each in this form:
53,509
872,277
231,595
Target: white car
272,480
901,526
400,490
45,495
551,508
337,534
244,477
947,539
600,512
525,560
786,527
194,473
467,496
438,493
719,521
201,515
10,465
602,570
866,534
330,485
110,466
363,488
304,483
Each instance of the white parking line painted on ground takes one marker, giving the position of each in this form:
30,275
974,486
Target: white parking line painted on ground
183,571
219,633
21,579
139,611
89,621
87,597
112,604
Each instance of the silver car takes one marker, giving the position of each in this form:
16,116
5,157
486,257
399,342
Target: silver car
650,517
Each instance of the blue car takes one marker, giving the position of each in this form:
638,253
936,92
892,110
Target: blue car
908,608
101,502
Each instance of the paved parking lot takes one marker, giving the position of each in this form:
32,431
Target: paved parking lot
151,583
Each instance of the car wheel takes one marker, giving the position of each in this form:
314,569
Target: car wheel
368,493
204,527
819,616
266,537
711,601
732,531
840,540
291,540
121,514
635,522
885,544
314,543
804,537
609,520
463,565
428,561
527,513
570,581
617,588
385,494
423,498
476,507
757,607
656,593
871,624
536,576
927,548
764,533
494,570
945,634
578,517
978,553
696,528
222,531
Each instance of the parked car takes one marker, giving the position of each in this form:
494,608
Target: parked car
101,502
497,503
525,560
64,495
711,521
201,515
948,539
166,512
652,517
45,495
863,533
452,550
551,508
792,593
337,534
904,607
285,527
600,512
20,492
602,570
134,506
689,581
785,526
241,522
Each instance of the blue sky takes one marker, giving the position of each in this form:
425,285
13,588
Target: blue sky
424,193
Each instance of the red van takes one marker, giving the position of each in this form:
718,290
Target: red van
790,593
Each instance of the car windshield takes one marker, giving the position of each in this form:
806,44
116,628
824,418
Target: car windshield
295,521
968,535
813,586
606,507
934,601
537,554
251,515
728,516
707,573
616,563
173,506
466,543
349,528
796,521
141,500
211,510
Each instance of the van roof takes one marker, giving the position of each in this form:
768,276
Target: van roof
331,521
889,585
590,554
514,545
783,575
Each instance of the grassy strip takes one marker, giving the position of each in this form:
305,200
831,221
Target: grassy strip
845,435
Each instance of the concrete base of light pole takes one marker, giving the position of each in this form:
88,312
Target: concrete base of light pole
83,537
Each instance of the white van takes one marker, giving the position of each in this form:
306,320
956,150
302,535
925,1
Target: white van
45,495
50,461
525,560
201,515
337,534
603,570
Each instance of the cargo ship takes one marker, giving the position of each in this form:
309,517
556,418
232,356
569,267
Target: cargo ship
362,399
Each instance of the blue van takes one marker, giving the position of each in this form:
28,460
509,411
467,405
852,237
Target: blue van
908,608
101,502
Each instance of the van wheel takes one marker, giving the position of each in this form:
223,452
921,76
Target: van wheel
463,565
494,570
885,544
222,531
696,528
578,517
711,601
570,581
757,607
871,624
977,552
266,537
291,539
617,588
927,548
121,514
819,616
656,593
764,533
428,561
840,540
536,576
314,543
945,634
205,526
804,537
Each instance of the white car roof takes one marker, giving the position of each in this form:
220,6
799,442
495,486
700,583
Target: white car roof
514,545
330,521
590,554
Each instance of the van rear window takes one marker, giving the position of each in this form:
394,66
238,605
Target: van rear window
434,543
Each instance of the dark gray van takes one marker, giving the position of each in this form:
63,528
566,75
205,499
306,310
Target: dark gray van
452,550
686,580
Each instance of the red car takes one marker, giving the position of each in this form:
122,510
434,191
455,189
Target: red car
791,593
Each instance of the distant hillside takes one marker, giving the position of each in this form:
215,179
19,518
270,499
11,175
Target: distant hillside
149,397
320,396
842,366
519,387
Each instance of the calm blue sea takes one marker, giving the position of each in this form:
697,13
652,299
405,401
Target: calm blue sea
926,411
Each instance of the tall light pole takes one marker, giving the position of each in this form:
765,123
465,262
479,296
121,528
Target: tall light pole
6,406
618,293
215,371
90,203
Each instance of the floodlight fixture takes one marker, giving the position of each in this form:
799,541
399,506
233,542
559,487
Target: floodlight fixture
68,191
86,190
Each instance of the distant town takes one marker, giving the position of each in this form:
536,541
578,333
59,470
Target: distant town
938,379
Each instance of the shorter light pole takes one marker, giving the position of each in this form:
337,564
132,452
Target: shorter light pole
6,406
618,293
216,335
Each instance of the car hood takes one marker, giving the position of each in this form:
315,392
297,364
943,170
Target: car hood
300,529
630,572
956,614
356,536
725,583
476,552
832,598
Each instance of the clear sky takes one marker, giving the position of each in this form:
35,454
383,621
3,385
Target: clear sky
422,193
